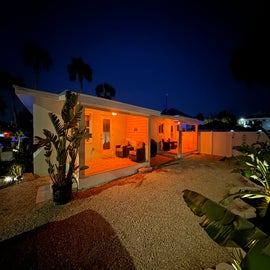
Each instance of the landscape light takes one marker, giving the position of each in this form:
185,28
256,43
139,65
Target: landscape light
8,179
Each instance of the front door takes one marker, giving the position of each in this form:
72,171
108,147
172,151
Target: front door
106,135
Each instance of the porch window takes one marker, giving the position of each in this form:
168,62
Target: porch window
88,125
161,128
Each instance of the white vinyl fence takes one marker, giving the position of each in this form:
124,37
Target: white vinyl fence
221,143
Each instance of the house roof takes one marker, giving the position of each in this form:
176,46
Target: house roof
258,116
100,103
174,112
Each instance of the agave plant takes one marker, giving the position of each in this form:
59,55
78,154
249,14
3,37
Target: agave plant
65,143
230,230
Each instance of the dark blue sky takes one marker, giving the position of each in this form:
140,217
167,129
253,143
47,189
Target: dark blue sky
144,49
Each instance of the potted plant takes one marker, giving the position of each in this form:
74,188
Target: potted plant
65,145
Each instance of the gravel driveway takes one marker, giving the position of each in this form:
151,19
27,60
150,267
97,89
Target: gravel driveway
138,222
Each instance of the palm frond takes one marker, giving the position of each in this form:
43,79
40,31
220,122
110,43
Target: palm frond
74,120
260,199
84,167
224,227
77,135
58,126
41,143
51,137
48,150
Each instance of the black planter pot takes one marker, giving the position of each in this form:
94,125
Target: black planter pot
62,194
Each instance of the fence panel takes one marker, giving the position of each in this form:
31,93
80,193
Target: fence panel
205,142
221,143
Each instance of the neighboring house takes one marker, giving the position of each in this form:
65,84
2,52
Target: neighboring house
256,120
112,124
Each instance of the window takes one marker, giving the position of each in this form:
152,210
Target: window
161,128
88,125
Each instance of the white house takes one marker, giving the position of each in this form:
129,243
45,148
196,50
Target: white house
118,130
262,120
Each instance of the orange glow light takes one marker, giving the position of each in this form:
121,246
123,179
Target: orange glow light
114,113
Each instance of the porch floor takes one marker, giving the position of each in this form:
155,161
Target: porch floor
106,164
114,163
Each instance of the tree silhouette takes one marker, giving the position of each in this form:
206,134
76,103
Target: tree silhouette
6,86
79,69
105,90
250,60
226,117
37,58
200,116
174,112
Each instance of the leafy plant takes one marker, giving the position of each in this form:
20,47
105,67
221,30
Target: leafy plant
16,170
230,230
65,143
255,166
22,151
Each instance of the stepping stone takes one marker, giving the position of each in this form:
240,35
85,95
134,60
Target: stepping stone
145,170
224,266
43,194
242,209
221,266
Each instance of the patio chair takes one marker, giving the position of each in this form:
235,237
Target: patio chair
121,151
138,154
153,148
165,145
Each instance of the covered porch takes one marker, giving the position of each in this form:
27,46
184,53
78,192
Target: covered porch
104,170
114,130
175,135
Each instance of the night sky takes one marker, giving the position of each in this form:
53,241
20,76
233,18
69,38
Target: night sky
144,49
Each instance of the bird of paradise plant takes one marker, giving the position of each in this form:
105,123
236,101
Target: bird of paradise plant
65,143
230,230
256,160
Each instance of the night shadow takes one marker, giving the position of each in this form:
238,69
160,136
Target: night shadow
83,241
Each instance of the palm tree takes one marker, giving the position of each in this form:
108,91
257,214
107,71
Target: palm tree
105,90
37,58
79,69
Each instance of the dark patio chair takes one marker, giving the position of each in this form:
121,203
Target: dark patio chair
138,154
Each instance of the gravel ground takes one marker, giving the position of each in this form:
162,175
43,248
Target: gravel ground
138,222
